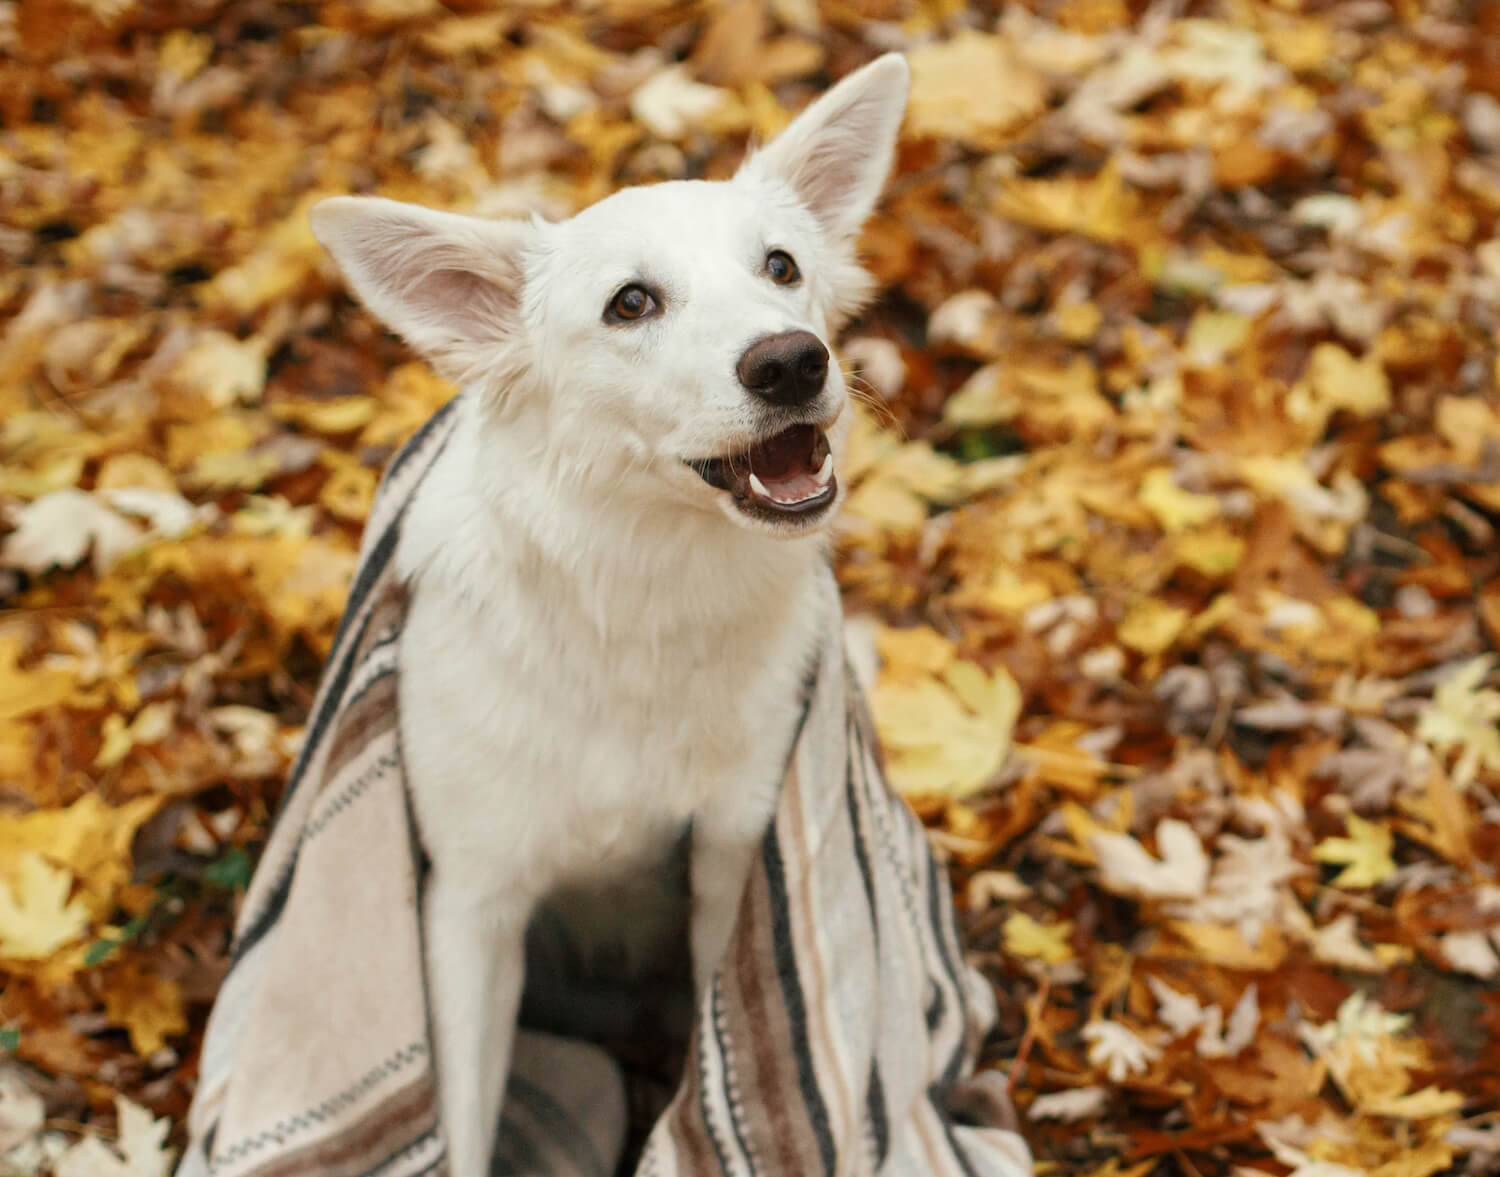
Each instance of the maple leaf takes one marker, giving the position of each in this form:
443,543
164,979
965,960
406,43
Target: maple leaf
1366,854
139,1151
1466,716
1125,867
36,915
1046,943
58,529
148,1006
947,735
1118,1050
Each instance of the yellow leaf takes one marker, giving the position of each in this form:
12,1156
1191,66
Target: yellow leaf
329,416
36,915
89,838
1213,552
1462,715
350,492
147,1005
134,471
950,736
222,369
888,504
1078,321
23,692
412,394
1213,335
1151,626
1366,854
1175,509
972,88
1047,943
1219,944
1334,381
151,725
1003,591
1100,206
919,650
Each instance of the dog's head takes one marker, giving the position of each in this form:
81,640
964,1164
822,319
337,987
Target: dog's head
676,336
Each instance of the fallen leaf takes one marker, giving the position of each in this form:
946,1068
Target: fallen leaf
1117,1050
1126,868
147,1005
36,915
140,1150
1026,938
59,529
973,88
1465,716
1365,854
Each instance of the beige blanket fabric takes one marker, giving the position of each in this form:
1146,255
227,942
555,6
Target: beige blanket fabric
838,1038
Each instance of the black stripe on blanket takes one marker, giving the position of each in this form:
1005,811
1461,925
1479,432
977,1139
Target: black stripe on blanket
937,892
796,1005
419,438
861,851
879,1118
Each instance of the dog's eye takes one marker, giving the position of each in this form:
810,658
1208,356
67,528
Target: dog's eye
781,268
629,303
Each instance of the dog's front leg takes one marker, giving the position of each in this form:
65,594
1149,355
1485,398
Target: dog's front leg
475,967
725,838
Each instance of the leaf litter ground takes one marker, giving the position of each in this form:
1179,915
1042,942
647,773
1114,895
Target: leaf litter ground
1170,553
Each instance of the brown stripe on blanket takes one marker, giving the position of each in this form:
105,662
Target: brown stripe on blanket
686,1130
405,1115
363,720
776,1126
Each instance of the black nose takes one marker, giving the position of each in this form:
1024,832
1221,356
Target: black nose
785,369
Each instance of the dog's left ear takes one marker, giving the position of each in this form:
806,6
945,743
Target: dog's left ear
836,154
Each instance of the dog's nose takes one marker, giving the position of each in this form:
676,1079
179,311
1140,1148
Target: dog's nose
785,369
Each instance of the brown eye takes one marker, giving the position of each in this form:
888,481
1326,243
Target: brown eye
632,302
782,269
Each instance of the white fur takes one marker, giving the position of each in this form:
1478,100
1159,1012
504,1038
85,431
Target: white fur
600,646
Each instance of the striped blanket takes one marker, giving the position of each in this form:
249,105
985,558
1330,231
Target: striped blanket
839,1036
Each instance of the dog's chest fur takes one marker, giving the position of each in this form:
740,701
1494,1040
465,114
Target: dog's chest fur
577,679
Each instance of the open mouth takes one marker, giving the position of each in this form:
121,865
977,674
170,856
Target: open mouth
788,475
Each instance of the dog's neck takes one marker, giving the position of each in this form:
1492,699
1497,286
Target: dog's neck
601,536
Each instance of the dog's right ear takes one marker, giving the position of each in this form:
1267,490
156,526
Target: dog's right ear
449,284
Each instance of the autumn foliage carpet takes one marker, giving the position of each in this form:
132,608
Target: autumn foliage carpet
1172,530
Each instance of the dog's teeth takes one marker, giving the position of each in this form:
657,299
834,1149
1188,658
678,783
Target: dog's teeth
825,471
759,487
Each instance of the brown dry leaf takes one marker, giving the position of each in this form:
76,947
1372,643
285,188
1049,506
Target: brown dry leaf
147,1005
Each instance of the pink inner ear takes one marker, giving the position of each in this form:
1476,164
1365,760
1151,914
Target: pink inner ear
466,303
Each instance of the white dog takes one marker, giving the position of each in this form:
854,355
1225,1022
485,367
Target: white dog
614,562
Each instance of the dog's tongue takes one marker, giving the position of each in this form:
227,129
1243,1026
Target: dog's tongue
789,467
786,455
